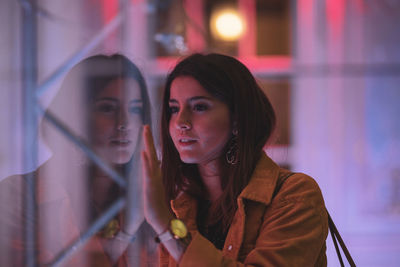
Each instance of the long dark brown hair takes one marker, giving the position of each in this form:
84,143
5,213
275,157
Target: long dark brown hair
231,82
87,80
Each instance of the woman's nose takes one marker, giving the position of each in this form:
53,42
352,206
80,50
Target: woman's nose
183,121
123,120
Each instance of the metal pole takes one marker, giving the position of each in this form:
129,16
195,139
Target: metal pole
107,216
79,55
29,80
82,145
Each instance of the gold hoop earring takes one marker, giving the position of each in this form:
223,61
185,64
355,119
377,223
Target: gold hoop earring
231,155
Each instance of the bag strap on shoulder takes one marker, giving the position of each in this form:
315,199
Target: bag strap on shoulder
332,228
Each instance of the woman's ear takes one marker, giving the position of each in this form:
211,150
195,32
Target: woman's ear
235,128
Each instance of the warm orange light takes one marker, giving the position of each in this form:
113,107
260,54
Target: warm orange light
227,24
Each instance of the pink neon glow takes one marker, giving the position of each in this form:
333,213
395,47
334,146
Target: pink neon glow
335,15
109,9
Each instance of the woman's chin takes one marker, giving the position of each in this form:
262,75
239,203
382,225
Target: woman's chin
189,160
119,158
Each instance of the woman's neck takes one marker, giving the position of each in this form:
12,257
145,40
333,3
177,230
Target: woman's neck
102,186
98,172
210,175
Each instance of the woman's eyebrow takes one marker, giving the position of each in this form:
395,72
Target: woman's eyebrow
194,98
107,99
199,98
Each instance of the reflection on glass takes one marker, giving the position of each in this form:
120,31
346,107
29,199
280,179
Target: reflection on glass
104,101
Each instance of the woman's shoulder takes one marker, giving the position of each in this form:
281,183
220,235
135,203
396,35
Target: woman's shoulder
47,188
297,186
13,185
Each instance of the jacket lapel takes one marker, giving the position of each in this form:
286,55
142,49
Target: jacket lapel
185,209
259,189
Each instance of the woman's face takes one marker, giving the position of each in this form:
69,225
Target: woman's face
200,124
116,120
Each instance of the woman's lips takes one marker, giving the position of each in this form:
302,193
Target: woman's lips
185,142
120,142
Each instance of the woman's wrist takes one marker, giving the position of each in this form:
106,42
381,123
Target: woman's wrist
125,237
162,224
131,225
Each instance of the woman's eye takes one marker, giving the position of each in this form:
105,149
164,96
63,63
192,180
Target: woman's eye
135,110
173,110
200,107
106,108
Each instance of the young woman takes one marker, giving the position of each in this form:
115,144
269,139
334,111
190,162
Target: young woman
104,101
216,182
118,107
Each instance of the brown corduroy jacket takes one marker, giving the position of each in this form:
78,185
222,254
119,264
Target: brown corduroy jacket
289,229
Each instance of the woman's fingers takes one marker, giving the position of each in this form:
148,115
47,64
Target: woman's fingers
156,210
150,163
146,169
149,145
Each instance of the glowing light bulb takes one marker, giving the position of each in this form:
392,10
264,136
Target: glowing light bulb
227,25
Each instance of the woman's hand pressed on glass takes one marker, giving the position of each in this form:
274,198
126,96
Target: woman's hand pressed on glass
156,210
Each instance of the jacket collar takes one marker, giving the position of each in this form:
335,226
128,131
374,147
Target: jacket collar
259,189
185,208
263,181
